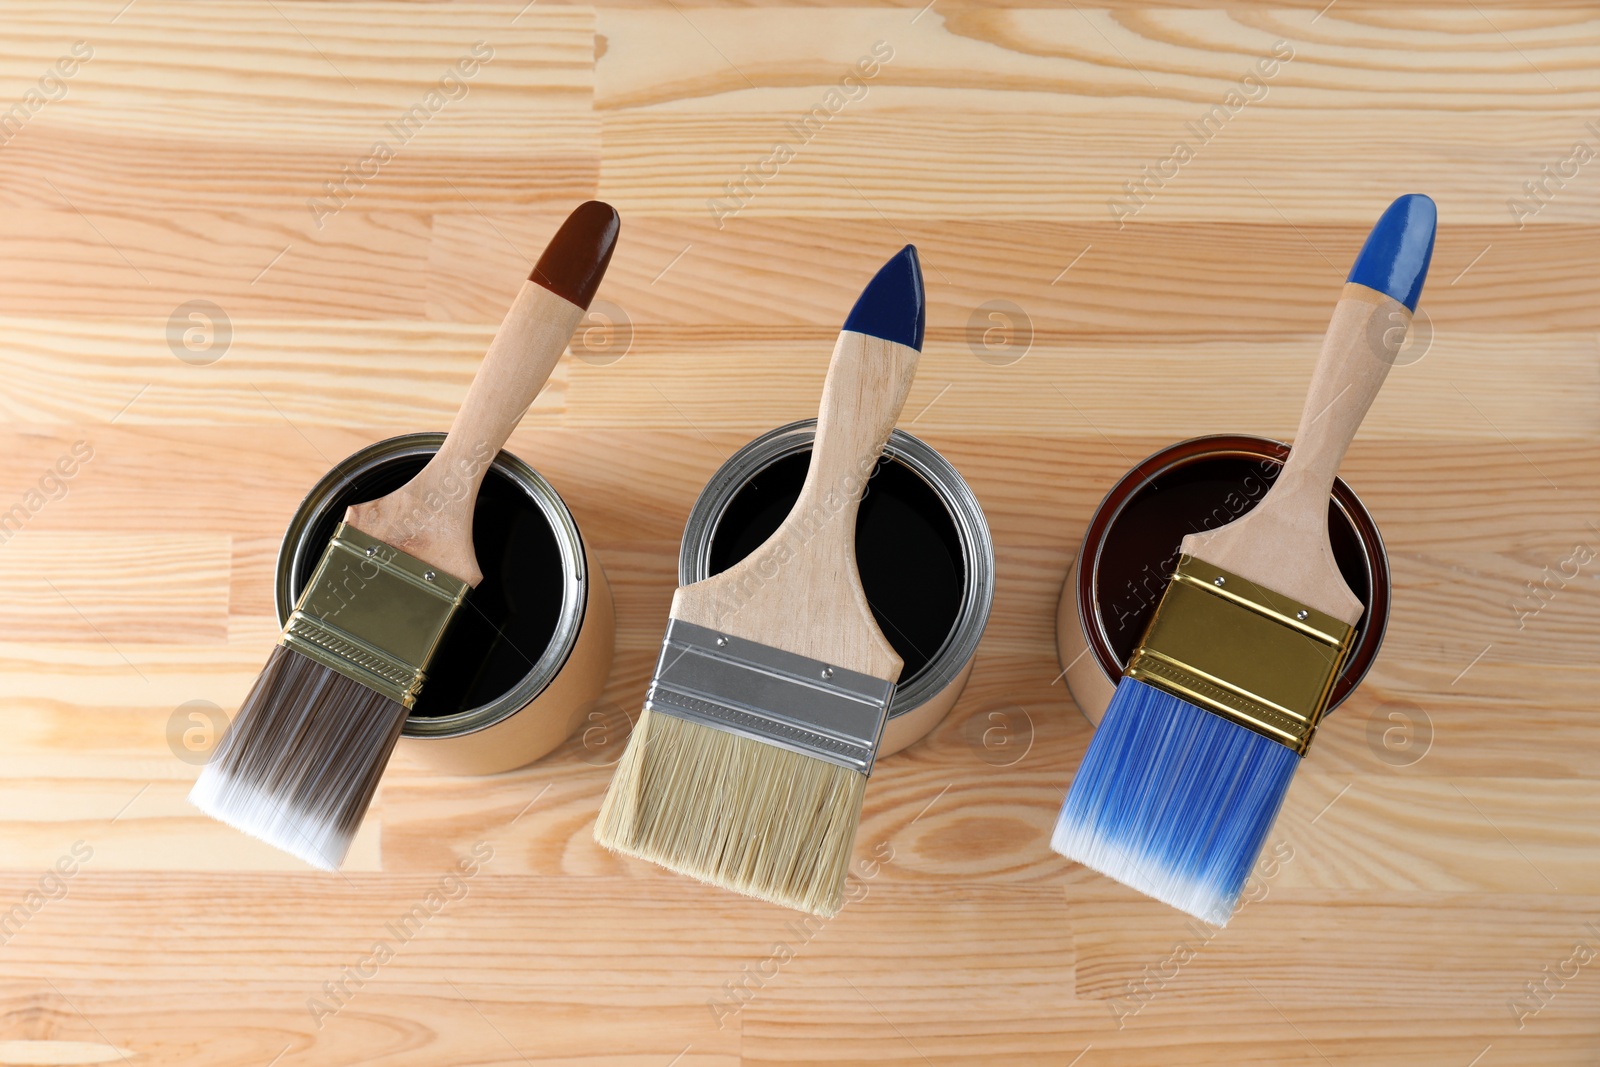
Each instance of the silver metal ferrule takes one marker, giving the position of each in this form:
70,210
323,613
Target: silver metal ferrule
769,695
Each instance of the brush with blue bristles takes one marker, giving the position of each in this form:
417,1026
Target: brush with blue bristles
1220,699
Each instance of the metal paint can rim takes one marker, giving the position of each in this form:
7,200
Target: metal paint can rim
575,586
966,515
1375,557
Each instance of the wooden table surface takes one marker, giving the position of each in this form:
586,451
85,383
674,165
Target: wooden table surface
1437,899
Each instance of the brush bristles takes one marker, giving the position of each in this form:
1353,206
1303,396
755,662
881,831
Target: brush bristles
733,812
301,761
1174,801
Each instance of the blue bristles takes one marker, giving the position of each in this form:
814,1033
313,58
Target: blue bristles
1174,801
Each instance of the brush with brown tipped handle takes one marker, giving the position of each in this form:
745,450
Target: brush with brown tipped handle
300,763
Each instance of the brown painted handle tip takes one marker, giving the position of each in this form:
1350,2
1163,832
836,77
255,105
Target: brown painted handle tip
577,256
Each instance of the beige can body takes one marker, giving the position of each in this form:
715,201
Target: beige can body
540,726
1091,687
907,726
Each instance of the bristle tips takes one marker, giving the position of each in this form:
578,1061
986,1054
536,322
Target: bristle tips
733,812
239,805
301,761
1174,801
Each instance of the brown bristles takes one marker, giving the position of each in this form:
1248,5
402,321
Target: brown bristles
301,761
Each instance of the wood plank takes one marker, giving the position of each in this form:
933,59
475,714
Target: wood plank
1531,931
106,369
696,382
276,105
1120,97
263,264
1154,279
76,587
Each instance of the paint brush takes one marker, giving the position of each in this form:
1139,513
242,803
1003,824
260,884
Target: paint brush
300,762
748,765
1220,699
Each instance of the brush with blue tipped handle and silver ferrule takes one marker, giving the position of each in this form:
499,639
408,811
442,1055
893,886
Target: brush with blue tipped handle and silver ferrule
1219,701
748,766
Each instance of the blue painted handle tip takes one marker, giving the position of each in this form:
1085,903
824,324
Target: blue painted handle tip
892,305
1394,261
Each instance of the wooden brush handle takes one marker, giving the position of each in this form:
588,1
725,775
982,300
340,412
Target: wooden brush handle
1360,347
430,517
801,590
868,379
1283,543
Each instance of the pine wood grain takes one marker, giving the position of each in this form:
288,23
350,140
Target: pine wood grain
1443,830
68,586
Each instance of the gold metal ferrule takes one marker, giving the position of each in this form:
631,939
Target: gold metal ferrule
374,614
1239,650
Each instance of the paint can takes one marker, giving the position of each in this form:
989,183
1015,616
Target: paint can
527,655
922,547
1131,546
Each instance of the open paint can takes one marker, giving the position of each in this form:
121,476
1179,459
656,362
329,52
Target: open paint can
922,547
527,655
1131,548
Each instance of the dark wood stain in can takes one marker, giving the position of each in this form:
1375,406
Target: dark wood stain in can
508,620
907,548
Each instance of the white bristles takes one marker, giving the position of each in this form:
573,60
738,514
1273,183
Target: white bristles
278,822
1174,801
734,812
300,763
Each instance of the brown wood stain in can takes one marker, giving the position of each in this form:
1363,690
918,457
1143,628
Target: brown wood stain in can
1131,546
